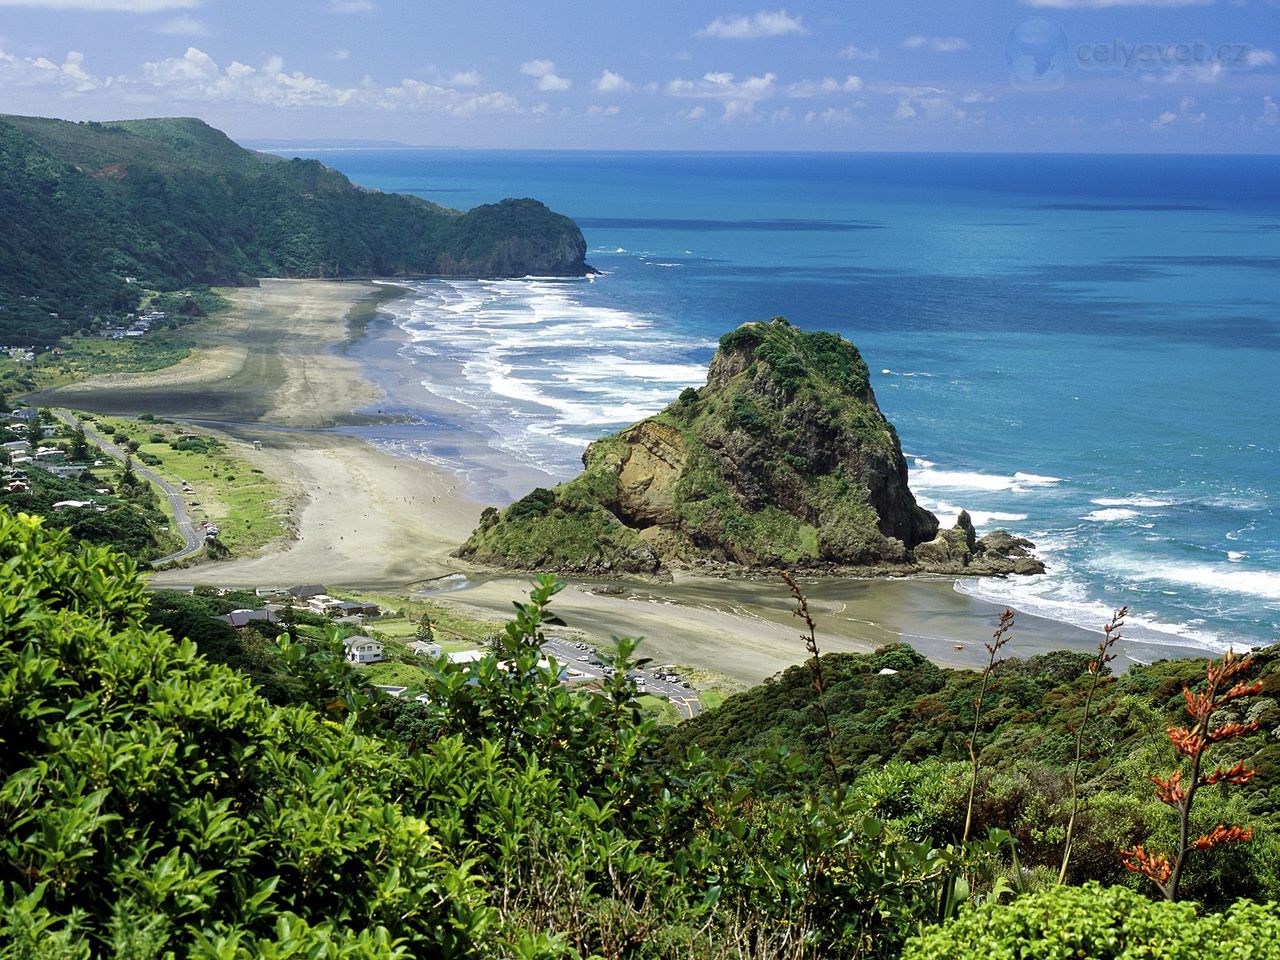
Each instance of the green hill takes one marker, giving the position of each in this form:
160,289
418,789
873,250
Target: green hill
174,203
783,459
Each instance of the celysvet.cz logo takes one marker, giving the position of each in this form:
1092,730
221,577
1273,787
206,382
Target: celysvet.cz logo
1041,57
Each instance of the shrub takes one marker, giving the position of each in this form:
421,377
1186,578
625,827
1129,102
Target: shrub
1101,923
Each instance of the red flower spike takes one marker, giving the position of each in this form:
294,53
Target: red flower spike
1237,775
1153,866
1221,834
1232,729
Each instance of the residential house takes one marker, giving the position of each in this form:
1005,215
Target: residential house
242,618
64,505
306,592
363,649
424,648
65,470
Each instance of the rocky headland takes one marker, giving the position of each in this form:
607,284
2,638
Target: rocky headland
783,459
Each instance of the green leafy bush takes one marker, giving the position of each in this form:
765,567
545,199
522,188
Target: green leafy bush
1101,923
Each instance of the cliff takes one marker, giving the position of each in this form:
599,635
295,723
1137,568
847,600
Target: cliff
783,459
174,203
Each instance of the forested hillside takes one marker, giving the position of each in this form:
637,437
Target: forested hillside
902,727
174,203
155,804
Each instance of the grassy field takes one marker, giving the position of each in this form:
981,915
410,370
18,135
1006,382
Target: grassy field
392,674
91,356
248,506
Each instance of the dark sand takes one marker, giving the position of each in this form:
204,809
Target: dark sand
368,520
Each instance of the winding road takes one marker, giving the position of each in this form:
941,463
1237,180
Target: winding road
192,535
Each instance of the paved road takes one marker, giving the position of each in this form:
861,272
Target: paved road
684,699
192,534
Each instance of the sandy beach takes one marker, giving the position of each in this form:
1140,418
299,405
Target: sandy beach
279,372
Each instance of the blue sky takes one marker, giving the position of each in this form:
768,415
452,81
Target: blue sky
987,75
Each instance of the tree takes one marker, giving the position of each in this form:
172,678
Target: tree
35,431
79,444
425,633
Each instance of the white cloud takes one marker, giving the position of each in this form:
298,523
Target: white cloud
609,111
724,86
831,117
342,53
544,71
936,44
694,113
184,26
1210,72
974,96
1260,58
1103,4
828,85
196,76
465,78
352,6
766,23
610,82
434,98
928,108
1162,121
112,6
1270,115
853,52
734,109
70,76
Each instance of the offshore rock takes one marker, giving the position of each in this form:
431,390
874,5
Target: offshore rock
783,459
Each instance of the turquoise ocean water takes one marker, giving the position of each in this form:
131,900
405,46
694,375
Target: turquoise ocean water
1082,350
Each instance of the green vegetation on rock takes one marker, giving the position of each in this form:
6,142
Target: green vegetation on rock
783,458
174,204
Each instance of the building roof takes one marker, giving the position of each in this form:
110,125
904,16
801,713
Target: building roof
238,618
355,641
307,591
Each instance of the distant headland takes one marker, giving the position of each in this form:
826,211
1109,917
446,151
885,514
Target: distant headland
95,213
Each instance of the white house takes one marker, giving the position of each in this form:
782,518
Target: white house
424,648
362,650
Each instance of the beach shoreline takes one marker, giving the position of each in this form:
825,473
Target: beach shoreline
280,374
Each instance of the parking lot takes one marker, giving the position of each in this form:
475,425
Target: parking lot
668,685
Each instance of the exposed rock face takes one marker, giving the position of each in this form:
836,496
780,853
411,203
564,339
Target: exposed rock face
783,458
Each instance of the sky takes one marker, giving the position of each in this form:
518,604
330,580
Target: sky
1149,76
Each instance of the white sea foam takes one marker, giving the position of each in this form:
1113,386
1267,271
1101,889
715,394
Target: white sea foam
1111,515
546,364
1035,480
948,513
1137,501
1235,556
1066,600
1217,578
927,476
897,373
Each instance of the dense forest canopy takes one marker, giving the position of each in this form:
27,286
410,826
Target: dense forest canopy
157,803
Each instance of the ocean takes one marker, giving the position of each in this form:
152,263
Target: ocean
1083,350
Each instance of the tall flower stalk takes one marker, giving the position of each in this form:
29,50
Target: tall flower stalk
810,638
998,640
1097,669
1221,688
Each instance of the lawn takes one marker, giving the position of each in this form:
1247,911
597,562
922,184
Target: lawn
247,505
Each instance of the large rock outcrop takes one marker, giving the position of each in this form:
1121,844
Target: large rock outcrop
783,459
